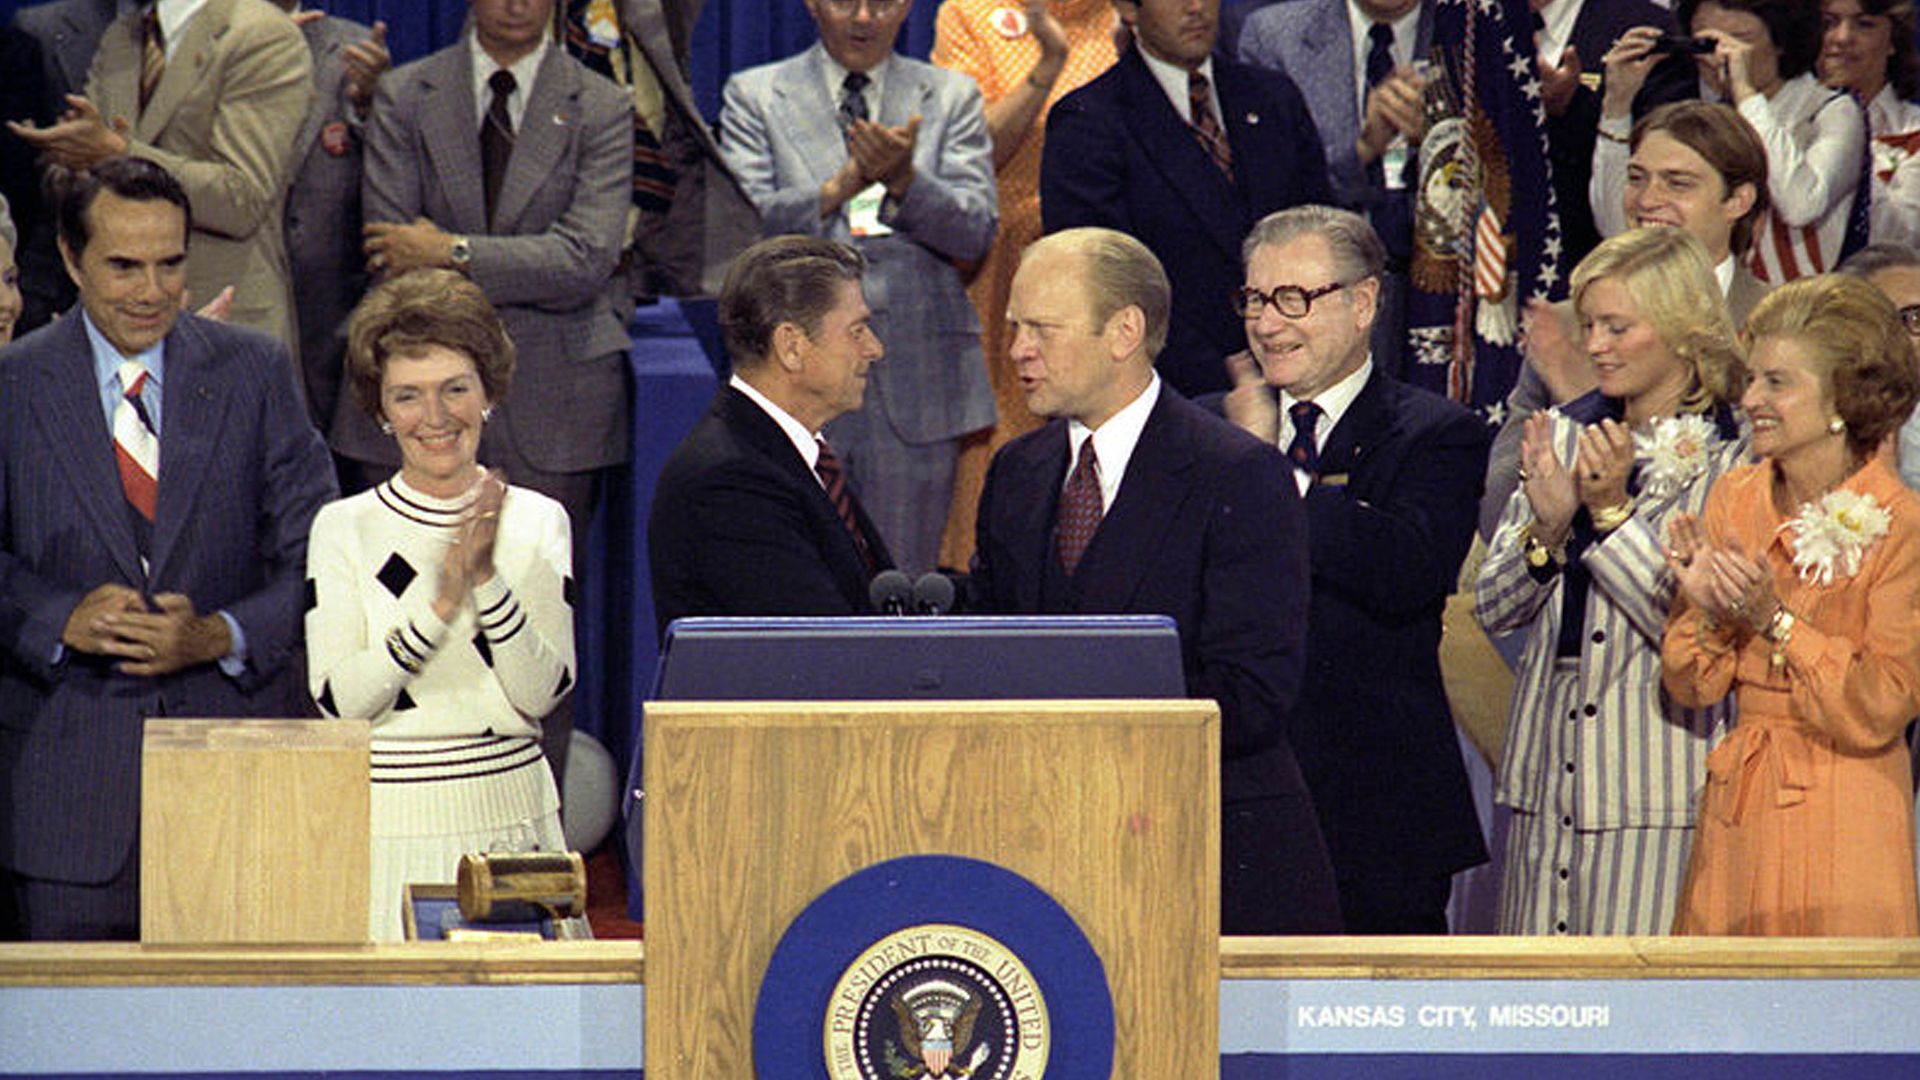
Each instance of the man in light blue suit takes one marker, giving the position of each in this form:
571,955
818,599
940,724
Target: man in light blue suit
1353,61
849,141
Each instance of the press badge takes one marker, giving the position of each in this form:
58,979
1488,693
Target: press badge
863,212
1393,164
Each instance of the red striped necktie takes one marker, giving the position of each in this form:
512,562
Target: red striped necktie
834,479
1206,125
136,445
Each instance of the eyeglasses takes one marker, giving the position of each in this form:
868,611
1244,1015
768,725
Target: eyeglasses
1910,318
879,9
1290,300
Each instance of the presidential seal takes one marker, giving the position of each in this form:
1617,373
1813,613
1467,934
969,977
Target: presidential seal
937,1001
930,967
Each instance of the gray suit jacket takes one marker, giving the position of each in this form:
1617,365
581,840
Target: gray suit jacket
1312,44
323,217
548,262
711,220
68,32
222,121
780,133
242,474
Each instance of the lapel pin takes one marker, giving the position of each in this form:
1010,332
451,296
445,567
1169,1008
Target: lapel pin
560,119
1010,22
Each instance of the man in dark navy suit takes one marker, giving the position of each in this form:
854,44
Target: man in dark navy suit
1183,150
158,476
1390,476
1165,510
753,514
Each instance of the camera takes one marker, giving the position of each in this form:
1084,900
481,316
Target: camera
1682,44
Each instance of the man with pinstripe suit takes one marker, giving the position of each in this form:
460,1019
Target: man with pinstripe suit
153,536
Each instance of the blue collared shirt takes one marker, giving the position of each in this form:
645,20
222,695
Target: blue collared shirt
107,359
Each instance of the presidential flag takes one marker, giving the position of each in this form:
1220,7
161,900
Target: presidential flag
1486,230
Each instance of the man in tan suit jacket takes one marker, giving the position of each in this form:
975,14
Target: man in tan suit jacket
223,120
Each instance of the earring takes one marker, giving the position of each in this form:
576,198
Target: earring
1836,426
386,427
486,414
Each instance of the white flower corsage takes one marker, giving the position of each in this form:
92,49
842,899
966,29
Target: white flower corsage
1832,534
1676,453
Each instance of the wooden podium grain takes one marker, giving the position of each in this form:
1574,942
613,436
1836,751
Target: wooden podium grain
753,809
254,831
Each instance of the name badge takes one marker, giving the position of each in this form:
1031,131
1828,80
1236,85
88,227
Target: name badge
1393,165
863,212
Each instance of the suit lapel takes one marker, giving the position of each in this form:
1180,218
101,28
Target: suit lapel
1326,77
326,85
907,94
1152,496
115,85
1033,499
646,25
1171,146
84,23
190,423
803,109
76,432
192,58
546,131
451,132
1365,425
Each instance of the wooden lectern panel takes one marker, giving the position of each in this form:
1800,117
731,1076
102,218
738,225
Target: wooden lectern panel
754,809
254,831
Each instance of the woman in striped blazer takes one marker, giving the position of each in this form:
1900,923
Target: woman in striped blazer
1601,769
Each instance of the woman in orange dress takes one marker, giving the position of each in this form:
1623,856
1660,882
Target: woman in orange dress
1026,55
1800,594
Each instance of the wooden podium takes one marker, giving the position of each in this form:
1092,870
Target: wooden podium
254,831
753,809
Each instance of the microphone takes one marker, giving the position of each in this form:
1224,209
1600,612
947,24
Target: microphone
933,594
891,593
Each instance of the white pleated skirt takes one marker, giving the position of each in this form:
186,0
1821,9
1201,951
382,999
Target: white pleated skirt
435,800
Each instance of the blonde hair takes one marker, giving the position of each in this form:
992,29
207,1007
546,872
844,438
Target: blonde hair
1667,273
1117,271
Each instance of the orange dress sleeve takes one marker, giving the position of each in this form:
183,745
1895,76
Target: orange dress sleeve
1697,662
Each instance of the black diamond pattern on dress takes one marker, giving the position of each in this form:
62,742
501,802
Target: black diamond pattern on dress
397,574
325,700
566,591
313,595
486,651
566,680
403,702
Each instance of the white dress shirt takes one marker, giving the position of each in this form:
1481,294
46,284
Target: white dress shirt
1113,442
524,70
1334,402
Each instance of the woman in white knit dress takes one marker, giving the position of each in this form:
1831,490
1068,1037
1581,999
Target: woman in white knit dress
438,601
